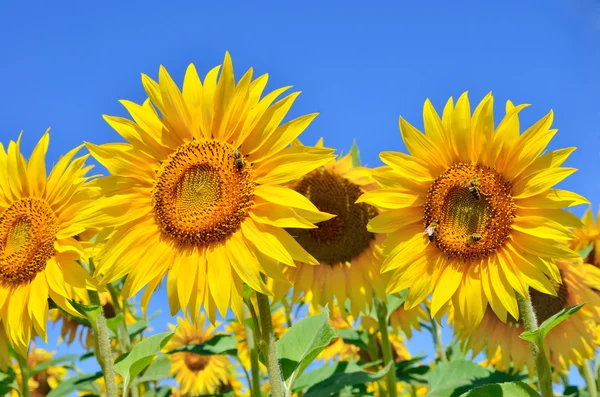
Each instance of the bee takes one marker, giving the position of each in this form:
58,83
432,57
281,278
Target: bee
473,238
431,231
239,163
474,189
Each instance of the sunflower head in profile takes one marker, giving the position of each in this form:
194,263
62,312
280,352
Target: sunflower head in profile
195,373
39,217
239,331
570,342
588,235
197,190
349,256
42,382
471,213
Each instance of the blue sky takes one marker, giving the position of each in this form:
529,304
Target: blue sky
64,65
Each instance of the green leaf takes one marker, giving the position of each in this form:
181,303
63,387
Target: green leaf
91,312
302,343
86,356
159,369
447,377
308,379
354,337
163,391
512,389
407,372
218,344
226,393
140,356
573,391
72,384
395,301
355,155
136,328
339,381
455,352
54,361
8,381
585,252
538,335
113,324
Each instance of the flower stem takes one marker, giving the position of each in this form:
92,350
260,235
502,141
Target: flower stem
436,332
252,342
267,345
542,366
386,347
24,375
586,373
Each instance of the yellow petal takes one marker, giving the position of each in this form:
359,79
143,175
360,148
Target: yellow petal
541,247
392,220
541,227
391,198
540,181
291,164
245,264
279,216
36,169
219,276
552,199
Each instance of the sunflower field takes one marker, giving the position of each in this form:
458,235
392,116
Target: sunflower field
212,247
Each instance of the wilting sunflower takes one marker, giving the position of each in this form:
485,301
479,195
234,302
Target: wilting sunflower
197,190
570,342
239,331
588,234
195,373
337,350
349,256
471,215
42,382
39,218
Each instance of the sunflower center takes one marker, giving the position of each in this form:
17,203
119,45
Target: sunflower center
341,238
27,233
545,305
203,192
469,209
196,362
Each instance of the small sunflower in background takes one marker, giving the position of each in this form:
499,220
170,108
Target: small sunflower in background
471,214
196,193
349,256
569,343
588,235
239,331
39,217
42,382
337,350
197,374
72,327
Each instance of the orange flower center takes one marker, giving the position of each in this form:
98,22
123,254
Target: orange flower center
196,362
203,192
27,233
470,210
344,237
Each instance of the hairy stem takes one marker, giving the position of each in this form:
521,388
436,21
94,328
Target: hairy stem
542,366
252,342
267,345
586,373
24,375
386,347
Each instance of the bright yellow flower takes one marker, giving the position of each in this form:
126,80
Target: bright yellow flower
402,389
41,383
197,374
471,215
570,342
39,217
588,234
239,331
197,190
349,256
100,387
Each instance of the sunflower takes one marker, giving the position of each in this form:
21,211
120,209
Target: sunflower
4,351
337,350
39,218
239,331
349,256
570,342
197,190
42,382
588,234
197,374
471,215
72,326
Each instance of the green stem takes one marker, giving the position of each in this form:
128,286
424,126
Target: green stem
596,373
24,375
252,342
542,366
288,312
436,331
267,345
586,373
386,347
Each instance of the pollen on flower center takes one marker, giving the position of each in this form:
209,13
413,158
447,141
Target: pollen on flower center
473,209
27,233
341,238
196,362
201,195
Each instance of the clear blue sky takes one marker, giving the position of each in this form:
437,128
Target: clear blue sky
64,65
